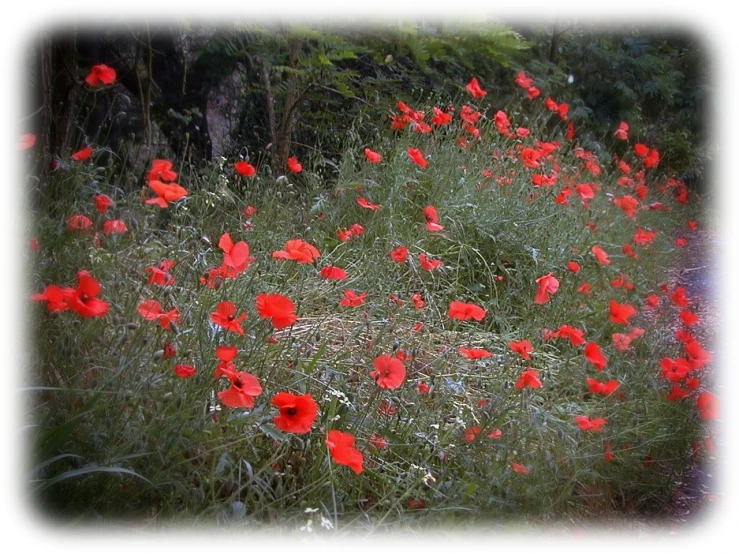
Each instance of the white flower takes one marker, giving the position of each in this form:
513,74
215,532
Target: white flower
308,526
325,522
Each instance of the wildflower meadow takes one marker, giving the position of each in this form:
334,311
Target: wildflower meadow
469,317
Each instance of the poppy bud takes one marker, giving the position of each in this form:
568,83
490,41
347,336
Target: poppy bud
318,336
396,345
159,354
174,328
132,326
167,397
187,353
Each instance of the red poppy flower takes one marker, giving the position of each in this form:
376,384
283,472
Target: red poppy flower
548,284
529,378
389,372
474,87
278,308
622,131
400,254
440,118
523,80
83,300
708,406
607,453
100,74
600,255
644,237
474,353
417,300
585,288
589,424
352,299
225,316
677,393
423,388
168,351
606,389
689,318
82,155
502,123
629,251
469,115
245,169
692,225
79,223
166,192
432,219
114,226
698,357
594,355
427,263
417,157
621,342
518,468
333,273
378,442
26,141
297,412
55,297
103,202
465,311
184,371
244,387
235,256
522,132
561,198
161,170
628,204
585,191
298,250
576,336
530,157
341,447
367,204
386,408
681,242
372,156
679,297
652,159
620,313
641,150
152,310
226,355
294,165
470,434
523,348
160,275
574,267
562,110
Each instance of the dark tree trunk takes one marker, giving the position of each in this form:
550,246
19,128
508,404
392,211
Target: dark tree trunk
58,83
282,148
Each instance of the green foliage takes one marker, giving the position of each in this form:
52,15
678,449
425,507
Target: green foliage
655,80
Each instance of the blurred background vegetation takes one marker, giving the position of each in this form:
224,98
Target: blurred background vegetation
196,92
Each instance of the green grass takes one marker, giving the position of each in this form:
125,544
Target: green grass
116,435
